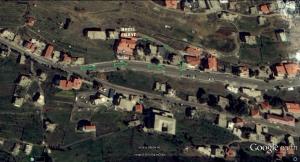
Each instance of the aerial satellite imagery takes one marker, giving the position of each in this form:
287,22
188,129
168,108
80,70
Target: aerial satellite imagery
150,81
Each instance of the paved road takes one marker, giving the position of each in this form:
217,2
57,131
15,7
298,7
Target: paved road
173,71
170,70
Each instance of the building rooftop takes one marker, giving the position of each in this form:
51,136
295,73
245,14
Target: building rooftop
48,51
171,4
292,107
126,46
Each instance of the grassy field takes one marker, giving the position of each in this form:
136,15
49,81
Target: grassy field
11,14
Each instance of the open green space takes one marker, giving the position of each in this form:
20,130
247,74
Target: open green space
11,15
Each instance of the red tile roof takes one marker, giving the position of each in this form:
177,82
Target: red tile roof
212,63
126,46
67,59
89,127
171,3
230,153
31,46
48,52
30,21
264,8
280,70
291,69
286,120
138,108
70,84
255,112
192,60
292,107
265,105
193,51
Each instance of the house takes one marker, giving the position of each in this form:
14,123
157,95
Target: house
39,99
237,132
261,20
139,108
56,56
284,151
18,101
292,69
292,107
244,71
281,35
264,8
161,87
285,120
7,35
238,122
126,48
73,83
100,99
222,121
173,4
28,149
30,21
254,112
96,35
78,61
223,102
280,71
253,10
175,59
251,40
251,92
22,59
16,149
164,124
192,61
193,51
66,59
211,64
126,104
89,128
205,150
286,69
48,52
162,121
228,16
230,153
217,152
50,127
30,47
24,81
232,89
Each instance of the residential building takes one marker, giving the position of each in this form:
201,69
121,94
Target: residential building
162,121
78,61
126,104
285,120
89,128
292,69
173,4
211,64
192,61
7,35
244,71
30,21
139,108
261,20
48,52
66,59
217,152
281,36
251,39
18,101
223,102
292,107
28,149
73,83
238,122
222,121
24,81
251,92
126,48
264,8
230,153
205,150
56,56
254,112
30,47
193,51
96,35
